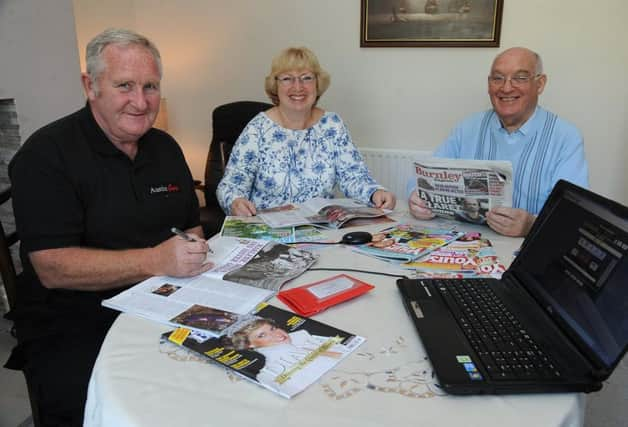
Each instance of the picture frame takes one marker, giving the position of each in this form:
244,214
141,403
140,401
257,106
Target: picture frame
430,23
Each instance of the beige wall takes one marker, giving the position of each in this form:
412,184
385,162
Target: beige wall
219,51
39,65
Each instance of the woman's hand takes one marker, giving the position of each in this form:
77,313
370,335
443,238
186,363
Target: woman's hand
383,199
243,207
418,208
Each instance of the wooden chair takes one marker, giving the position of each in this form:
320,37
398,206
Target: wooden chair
9,280
228,121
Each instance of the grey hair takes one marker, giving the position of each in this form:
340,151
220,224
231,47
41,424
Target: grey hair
95,64
539,63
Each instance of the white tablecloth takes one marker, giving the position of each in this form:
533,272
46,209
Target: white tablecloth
388,381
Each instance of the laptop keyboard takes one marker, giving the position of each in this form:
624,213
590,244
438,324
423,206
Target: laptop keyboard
502,343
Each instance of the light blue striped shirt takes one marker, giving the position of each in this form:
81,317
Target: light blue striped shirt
542,151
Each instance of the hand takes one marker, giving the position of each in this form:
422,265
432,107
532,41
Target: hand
418,208
383,199
512,222
243,207
178,257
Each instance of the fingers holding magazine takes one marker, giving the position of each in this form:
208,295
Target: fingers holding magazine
383,199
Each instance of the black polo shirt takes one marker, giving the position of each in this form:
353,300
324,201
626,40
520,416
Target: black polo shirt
72,187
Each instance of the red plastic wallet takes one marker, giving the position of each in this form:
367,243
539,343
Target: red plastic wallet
315,297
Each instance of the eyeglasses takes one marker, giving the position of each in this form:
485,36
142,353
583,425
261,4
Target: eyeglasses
518,80
306,79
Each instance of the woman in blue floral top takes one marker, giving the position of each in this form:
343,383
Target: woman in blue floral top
295,151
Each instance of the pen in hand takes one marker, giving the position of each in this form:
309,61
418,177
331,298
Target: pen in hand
187,237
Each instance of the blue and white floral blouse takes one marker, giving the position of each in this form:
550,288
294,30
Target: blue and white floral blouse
272,166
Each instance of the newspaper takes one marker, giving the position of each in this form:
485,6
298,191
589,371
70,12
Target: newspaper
246,273
463,189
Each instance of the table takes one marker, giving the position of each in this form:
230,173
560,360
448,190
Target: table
388,381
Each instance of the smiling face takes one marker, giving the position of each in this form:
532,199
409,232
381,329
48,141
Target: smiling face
267,335
125,102
296,90
514,104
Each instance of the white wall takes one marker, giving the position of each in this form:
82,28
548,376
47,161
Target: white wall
219,51
39,65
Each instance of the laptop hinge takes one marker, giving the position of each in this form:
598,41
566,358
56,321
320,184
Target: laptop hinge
599,374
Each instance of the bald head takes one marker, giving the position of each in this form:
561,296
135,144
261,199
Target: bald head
522,53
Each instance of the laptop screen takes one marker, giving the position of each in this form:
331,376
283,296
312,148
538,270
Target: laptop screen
577,260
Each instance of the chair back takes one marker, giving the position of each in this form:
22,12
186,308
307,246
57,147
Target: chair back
7,266
228,121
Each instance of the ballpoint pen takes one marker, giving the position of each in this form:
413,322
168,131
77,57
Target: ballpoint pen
187,237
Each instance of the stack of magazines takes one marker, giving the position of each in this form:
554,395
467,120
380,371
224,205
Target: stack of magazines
406,243
469,256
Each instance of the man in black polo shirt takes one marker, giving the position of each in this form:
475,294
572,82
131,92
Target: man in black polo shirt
95,195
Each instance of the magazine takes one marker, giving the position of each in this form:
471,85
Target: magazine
252,227
328,213
404,242
287,360
246,272
463,189
469,256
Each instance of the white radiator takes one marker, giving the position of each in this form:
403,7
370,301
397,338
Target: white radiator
392,168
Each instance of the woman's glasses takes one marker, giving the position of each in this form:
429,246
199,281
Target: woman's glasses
306,79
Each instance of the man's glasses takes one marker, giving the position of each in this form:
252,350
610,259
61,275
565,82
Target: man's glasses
497,80
306,79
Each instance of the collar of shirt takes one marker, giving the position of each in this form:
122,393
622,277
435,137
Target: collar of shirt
524,130
99,141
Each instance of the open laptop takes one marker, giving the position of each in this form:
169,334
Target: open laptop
568,291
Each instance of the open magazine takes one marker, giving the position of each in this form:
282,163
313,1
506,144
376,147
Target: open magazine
464,189
295,355
252,227
404,242
469,256
246,272
328,213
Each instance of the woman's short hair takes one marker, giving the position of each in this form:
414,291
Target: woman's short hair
295,58
240,338
95,64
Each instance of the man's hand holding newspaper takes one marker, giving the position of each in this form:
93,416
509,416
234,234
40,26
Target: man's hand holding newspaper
475,191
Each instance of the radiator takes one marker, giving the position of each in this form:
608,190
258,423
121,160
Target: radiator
392,168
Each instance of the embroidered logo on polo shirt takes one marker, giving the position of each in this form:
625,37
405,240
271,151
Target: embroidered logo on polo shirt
155,190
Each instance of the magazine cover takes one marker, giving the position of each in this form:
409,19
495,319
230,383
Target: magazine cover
462,189
469,256
404,242
273,348
252,227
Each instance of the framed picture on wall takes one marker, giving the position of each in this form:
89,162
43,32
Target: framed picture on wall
430,23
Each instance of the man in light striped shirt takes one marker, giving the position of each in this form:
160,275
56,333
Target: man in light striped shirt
542,147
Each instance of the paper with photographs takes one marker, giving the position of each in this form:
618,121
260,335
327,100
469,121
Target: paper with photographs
463,189
252,227
246,273
328,213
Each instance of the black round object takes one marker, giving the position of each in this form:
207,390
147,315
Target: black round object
356,238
